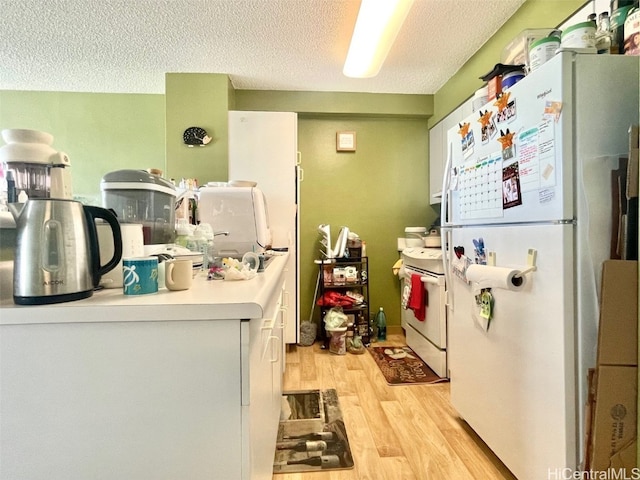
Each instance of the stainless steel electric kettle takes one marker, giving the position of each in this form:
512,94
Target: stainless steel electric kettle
57,256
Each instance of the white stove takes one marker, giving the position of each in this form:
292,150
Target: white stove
424,258
423,268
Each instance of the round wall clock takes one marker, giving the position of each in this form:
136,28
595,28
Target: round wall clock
193,136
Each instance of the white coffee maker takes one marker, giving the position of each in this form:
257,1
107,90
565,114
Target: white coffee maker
36,168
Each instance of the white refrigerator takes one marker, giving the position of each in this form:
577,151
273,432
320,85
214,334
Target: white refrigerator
263,147
526,217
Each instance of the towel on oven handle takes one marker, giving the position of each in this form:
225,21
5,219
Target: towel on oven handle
418,298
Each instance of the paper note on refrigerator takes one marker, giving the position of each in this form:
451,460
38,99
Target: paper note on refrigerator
547,153
528,161
536,157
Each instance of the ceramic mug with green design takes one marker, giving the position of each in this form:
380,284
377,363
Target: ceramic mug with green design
140,275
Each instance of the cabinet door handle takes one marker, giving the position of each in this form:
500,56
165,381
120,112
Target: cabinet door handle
285,296
274,340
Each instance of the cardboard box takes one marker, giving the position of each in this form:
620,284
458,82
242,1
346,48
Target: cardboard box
613,442
612,406
618,331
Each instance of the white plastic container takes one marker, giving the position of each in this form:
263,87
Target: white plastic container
480,98
517,51
511,78
542,50
580,35
414,236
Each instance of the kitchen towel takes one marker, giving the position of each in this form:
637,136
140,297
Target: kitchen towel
418,298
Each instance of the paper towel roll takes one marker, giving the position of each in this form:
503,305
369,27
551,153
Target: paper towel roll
495,277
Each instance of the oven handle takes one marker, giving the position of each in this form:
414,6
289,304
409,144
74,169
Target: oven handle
432,280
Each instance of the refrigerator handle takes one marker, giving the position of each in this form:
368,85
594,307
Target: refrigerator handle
446,241
445,233
445,207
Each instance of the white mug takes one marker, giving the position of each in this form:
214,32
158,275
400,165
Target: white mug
178,274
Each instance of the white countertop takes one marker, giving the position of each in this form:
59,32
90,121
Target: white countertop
205,300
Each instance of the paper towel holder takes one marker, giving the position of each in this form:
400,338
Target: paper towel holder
532,256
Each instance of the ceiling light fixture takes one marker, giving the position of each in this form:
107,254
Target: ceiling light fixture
376,29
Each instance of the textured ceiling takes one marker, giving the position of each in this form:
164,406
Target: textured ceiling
128,45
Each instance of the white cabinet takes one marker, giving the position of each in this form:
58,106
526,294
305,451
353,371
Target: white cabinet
261,415
110,401
437,159
438,149
176,385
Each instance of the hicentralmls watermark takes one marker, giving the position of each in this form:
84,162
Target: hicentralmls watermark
608,474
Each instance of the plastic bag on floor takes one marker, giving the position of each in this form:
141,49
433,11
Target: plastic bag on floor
335,318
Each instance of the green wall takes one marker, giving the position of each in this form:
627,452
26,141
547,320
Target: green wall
197,100
375,191
100,132
532,14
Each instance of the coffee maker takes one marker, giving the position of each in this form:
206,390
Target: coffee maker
34,167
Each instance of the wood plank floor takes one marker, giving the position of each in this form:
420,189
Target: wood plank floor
395,432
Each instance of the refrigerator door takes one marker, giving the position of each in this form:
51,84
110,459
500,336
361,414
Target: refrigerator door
515,381
507,158
263,147
514,160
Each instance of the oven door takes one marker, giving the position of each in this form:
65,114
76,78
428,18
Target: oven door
433,328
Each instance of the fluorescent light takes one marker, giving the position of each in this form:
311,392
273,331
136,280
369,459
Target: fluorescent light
376,29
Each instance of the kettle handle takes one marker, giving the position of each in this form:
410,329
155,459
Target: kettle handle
92,213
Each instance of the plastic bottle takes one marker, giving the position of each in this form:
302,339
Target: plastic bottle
632,31
381,321
204,240
196,241
603,34
619,10
183,232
